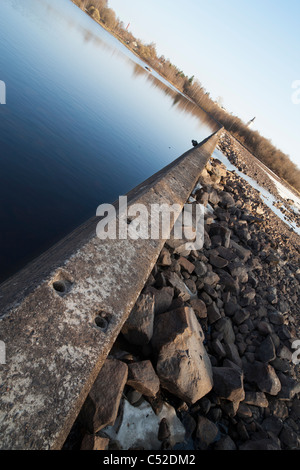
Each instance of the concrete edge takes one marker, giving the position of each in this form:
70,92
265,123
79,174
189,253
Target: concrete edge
55,347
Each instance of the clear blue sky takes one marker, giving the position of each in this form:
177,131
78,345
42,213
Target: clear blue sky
247,52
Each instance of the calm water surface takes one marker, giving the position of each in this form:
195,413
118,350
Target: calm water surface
84,122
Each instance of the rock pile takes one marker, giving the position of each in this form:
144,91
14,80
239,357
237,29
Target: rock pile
205,360
244,161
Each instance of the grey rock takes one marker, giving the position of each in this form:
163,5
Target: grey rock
213,313
200,268
230,308
275,318
289,438
183,365
266,351
218,348
243,253
162,298
178,284
101,406
272,424
221,231
218,261
228,383
211,278
264,376
232,354
230,284
142,377
256,399
265,328
240,316
206,432
289,387
199,307
138,328
227,200
238,270
224,325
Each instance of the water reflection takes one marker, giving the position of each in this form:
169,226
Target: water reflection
84,123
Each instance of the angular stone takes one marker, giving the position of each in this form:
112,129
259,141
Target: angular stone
142,377
229,408
230,284
256,399
206,432
264,376
228,383
177,283
244,411
226,253
233,354
243,253
276,318
200,268
93,442
238,270
218,348
224,325
217,261
138,328
162,298
264,328
227,201
289,387
266,351
230,308
223,232
183,365
211,278
101,406
289,438
164,258
199,307
186,264
213,313
272,424
240,316
213,197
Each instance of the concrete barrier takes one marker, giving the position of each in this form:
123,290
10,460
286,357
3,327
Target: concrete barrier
61,315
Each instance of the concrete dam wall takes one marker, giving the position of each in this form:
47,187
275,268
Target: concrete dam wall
60,315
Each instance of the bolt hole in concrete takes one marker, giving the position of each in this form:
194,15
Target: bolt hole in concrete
101,322
59,286
62,283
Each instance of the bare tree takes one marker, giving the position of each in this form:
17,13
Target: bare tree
109,18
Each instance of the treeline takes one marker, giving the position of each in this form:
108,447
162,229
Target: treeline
260,146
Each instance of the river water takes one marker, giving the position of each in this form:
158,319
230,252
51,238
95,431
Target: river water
83,122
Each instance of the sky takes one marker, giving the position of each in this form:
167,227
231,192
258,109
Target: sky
246,52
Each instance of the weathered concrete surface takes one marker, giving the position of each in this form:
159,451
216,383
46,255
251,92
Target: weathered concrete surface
56,342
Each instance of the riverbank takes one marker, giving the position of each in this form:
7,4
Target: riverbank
287,197
205,360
